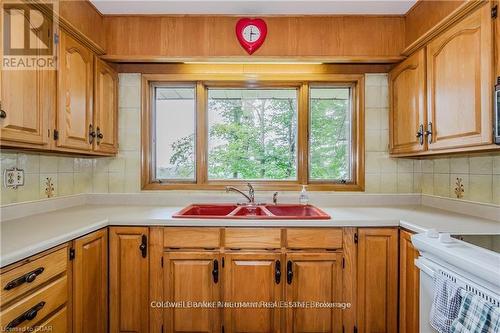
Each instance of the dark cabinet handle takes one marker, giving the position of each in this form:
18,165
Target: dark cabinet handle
99,135
289,272
28,315
3,114
91,134
215,271
277,272
429,132
26,278
144,246
420,134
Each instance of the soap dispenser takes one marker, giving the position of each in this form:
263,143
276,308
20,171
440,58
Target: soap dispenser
304,197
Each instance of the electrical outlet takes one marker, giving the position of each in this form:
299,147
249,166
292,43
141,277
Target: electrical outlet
13,178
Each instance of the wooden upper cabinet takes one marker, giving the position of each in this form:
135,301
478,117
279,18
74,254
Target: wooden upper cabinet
407,100
377,280
90,283
315,277
497,38
459,72
129,280
105,107
75,82
251,277
27,98
409,285
192,277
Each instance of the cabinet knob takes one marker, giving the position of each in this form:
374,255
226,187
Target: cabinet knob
99,135
429,132
420,134
91,134
3,114
289,272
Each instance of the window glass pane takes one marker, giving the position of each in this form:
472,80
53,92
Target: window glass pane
174,127
330,134
252,134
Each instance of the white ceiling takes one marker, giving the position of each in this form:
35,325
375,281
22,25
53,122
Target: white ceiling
254,7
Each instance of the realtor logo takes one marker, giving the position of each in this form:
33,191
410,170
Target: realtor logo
28,36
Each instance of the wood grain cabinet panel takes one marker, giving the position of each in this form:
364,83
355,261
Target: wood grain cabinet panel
377,280
251,277
129,277
409,285
27,98
105,107
459,76
192,277
75,95
90,283
497,38
407,118
316,277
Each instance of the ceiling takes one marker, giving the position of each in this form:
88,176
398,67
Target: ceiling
255,7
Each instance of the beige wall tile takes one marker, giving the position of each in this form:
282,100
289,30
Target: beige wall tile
465,182
101,183
65,164
66,183
388,165
496,189
372,118
405,166
82,182
481,188
441,165
417,182
388,183
496,164
427,166
48,164
428,183
372,183
405,182
31,189
481,165
8,195
372,140
116,182
442,185
30,163
459,165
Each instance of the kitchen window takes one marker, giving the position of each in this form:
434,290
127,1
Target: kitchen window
216,131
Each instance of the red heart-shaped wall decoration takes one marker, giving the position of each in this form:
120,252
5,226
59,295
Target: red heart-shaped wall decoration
251,33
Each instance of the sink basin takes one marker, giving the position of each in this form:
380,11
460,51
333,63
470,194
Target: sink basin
206,211
257,212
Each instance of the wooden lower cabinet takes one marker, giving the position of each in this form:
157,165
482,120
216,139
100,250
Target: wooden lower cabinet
129,279
252,277
90,283
409,284
313,277
377,285
192,277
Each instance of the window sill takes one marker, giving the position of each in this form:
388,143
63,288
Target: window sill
268,186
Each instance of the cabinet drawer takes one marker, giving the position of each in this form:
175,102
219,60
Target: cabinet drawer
47,299
37,271
191,237
252,238
58,322
317,238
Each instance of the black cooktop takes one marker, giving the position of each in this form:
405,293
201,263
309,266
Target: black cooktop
489,242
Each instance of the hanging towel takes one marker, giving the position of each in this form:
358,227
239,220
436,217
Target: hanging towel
445,303
476,315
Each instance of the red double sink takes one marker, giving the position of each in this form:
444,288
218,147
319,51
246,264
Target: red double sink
257,212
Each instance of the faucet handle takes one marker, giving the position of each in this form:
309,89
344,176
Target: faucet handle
275,198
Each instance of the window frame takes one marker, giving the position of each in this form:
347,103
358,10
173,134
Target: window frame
301,81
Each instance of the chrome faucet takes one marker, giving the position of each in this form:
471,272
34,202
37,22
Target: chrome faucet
251,193
275,198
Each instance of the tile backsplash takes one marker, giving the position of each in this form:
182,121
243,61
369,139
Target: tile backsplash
71,175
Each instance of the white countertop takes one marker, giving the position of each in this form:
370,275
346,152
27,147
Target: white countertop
26,236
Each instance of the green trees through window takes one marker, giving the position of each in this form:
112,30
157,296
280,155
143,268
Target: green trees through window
252,133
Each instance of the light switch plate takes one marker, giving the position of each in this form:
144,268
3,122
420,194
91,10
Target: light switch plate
13,178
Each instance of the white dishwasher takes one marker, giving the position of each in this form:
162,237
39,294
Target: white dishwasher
473,268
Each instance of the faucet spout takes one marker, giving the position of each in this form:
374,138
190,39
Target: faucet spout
234,189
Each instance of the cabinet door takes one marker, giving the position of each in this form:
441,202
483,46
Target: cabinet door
27,98
192,277
460,83
315,277
105,107
251,277
497,38
407,99
90,283
74,112
378,280
409,285
129,272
